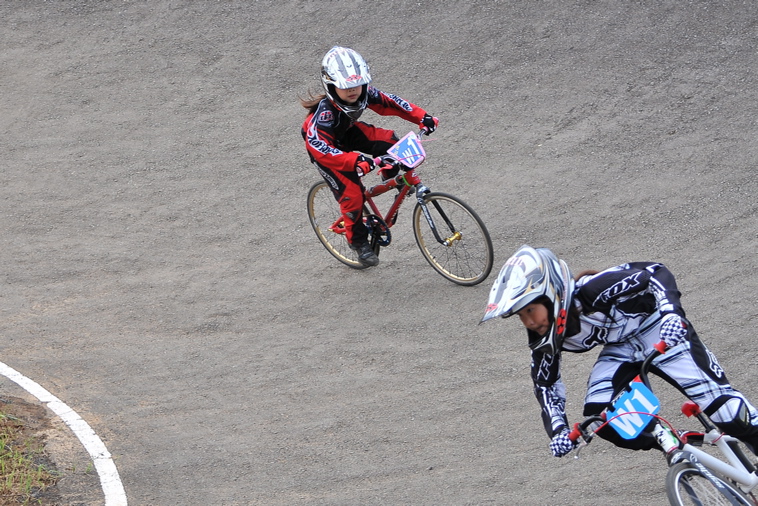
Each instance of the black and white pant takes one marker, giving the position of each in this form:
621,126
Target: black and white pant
690,367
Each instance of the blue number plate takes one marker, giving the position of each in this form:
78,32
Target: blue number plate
633,411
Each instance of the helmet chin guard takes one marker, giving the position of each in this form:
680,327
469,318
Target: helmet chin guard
531,274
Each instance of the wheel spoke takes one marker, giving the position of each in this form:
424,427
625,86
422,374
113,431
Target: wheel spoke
325,217
686,485
463,254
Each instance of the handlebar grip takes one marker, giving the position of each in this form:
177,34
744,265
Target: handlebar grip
383,161
575,434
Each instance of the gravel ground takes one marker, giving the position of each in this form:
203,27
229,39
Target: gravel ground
159,274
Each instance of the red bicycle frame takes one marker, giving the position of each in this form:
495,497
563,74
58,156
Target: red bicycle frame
408,180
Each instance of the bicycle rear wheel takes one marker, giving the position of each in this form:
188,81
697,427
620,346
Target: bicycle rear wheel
323,213
464,255
686,485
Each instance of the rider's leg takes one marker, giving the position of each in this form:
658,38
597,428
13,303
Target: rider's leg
735,416
348,189
351,205
694,369
609,376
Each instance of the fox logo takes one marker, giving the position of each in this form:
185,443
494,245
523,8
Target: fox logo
627,284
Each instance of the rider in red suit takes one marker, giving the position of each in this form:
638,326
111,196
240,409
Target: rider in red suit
343,148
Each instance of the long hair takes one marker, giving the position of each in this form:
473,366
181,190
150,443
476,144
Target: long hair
311,101
588,272
573,324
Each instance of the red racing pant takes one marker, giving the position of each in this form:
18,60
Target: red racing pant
347,186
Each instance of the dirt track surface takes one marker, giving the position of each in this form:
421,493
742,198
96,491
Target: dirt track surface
161,278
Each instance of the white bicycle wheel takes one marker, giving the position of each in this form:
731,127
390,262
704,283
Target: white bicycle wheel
687,485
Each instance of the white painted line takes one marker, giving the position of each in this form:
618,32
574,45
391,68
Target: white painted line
106,469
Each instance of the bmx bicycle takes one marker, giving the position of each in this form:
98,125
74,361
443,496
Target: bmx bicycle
694,477
450,235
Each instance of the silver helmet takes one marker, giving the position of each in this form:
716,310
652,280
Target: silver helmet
344,68
531,274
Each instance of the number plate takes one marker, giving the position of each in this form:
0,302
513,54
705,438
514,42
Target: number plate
408,151
633,411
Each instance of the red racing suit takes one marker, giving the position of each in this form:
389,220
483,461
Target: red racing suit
334,141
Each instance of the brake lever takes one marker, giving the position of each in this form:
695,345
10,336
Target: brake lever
579,447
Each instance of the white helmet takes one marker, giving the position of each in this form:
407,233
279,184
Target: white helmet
528,275
344,68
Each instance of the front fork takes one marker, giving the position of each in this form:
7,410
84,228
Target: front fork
421,192
410,178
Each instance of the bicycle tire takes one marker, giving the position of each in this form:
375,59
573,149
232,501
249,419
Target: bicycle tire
323,211
466,256
686,485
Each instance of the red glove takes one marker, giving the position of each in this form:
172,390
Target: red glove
364,165
429,124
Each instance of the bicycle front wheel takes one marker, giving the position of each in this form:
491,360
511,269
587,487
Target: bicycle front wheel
324,214
461,250
686,485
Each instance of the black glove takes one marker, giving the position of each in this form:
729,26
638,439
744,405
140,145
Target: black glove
429,124
364,165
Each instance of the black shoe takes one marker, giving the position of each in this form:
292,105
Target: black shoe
366,255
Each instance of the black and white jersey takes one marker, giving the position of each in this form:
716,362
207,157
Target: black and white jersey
618,305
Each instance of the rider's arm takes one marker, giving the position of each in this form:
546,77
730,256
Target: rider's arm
663,286
386,104
318,132
550,391
641,286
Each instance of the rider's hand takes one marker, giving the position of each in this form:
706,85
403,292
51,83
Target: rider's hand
561,444
429,124
673,330
364,165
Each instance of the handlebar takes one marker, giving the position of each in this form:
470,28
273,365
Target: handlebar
382,161
659,348
580,429
588,428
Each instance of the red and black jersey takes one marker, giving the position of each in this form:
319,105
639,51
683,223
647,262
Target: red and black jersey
324,131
